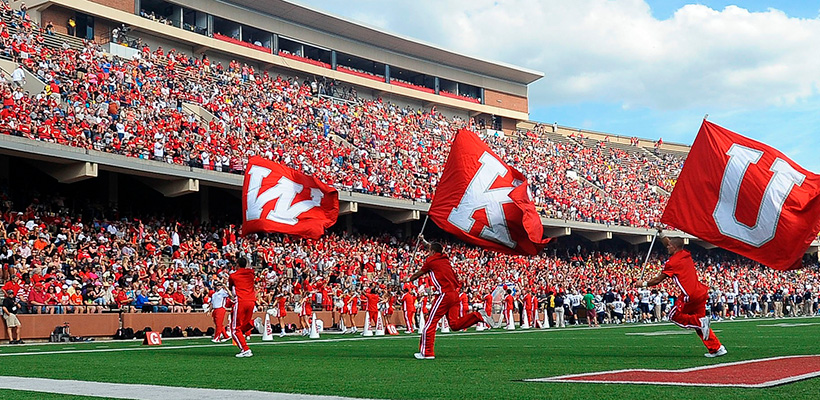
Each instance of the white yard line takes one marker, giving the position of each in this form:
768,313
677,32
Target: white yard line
315,341
145,392
135,347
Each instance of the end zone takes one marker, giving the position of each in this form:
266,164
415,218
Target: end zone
760,373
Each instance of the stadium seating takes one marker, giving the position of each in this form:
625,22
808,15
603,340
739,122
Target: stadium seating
137,108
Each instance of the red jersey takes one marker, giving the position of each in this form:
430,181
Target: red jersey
241,281
441,273
681,269
509,303
372,302
408,302
488,303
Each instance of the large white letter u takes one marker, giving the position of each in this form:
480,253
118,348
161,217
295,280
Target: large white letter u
778,189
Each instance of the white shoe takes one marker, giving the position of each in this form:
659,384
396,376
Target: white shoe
704,327
215,341
282,334
224,340
488,320
720,352
420,356
245,353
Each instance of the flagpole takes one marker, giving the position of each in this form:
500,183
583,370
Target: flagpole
646,260
423,225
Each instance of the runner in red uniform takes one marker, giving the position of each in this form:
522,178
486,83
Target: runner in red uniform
447,302
689,311
241,285
408,305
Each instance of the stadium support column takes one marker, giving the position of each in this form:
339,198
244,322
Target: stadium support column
275,44
204,204
333,60
113,189
386,73
346,209
70,173
437,85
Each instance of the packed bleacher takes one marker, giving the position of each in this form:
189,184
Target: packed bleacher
137,108
56,262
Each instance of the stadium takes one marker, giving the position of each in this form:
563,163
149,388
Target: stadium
127,134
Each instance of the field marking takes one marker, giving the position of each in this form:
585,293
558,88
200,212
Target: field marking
138,347
664,333
314,341
145,392
777,382
7,346
791,325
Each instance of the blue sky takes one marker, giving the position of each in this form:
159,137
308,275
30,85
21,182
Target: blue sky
639,68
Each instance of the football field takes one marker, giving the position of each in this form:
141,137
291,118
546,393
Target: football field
468,365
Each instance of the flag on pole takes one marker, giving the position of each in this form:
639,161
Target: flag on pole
276,198
747,197
486,202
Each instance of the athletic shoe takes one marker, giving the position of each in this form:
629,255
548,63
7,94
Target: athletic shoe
245,353
488,320
282,334
704,327
215,341
720,352
224,340
420,356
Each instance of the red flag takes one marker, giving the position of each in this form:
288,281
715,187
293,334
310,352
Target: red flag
484,201
276,198
746,197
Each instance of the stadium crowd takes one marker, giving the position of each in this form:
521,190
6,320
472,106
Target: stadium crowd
54,262
138,108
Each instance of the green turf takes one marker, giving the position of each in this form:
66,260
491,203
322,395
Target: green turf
19,394
487,365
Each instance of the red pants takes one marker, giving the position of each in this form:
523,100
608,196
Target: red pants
409,321
241,322
687,314
374,318
445,304
219,324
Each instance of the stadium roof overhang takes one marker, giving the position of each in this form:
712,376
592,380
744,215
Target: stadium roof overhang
332,24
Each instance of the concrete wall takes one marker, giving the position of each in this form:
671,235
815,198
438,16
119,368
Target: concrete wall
41,326
58,16
508,101
122,5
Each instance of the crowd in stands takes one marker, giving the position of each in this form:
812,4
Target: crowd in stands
136,107
56,262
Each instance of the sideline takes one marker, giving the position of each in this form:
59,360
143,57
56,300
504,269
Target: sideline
135,346
145,392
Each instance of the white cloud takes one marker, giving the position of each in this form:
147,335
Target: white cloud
617,52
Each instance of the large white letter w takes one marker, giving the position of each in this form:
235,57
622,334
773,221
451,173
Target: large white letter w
285,212
479,196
